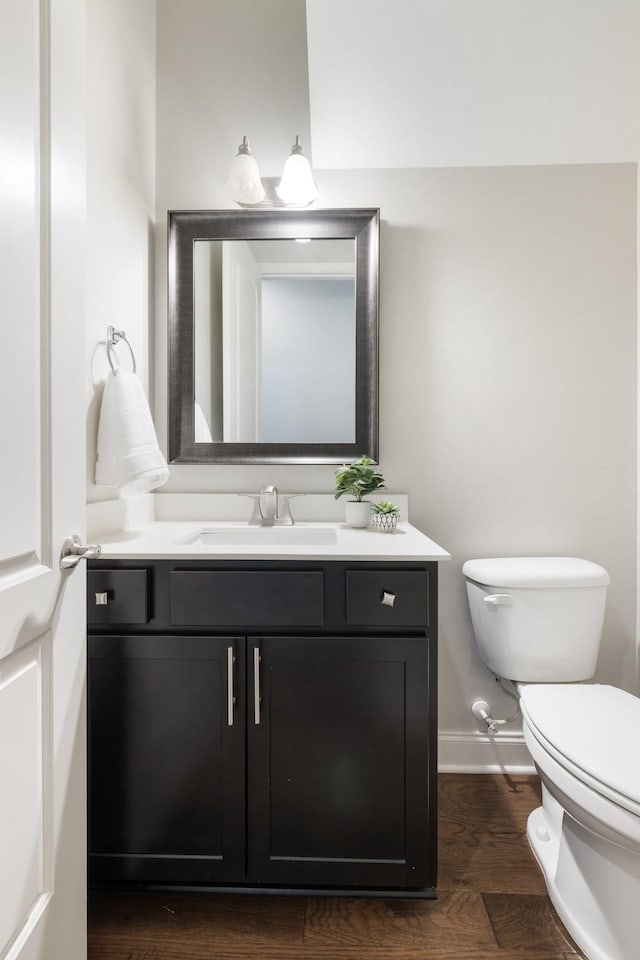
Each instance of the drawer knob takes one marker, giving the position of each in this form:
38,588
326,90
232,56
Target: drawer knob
102,599
388,599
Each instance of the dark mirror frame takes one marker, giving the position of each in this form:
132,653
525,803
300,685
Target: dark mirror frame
184,227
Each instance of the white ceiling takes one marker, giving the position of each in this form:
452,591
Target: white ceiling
412,83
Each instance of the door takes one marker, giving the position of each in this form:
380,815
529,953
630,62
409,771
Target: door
338,761
242,336
42,481
167,787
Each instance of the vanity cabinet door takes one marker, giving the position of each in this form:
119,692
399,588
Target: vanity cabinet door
338,762
166,759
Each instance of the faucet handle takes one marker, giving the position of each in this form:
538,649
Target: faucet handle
286,516
269,502
256,513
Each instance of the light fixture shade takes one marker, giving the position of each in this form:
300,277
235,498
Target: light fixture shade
297,186
244,184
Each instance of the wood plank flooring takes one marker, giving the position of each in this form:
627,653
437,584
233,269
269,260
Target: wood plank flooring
491,903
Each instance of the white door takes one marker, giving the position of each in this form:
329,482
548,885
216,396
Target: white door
42,480
241,334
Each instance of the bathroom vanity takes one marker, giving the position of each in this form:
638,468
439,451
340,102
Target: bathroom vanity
262,702
264,717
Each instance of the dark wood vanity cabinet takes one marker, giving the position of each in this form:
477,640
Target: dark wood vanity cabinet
166,770
272,725
338,772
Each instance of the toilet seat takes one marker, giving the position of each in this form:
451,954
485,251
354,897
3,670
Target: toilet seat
591,730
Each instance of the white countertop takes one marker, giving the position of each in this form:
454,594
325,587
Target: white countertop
164,539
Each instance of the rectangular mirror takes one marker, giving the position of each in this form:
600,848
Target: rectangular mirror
273,336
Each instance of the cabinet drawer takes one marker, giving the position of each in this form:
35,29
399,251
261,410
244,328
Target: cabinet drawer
387,598
117,596
231,598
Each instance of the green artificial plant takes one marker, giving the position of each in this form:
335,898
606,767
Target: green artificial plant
358,479
385,508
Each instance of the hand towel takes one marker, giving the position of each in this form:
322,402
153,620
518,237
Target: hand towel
129,457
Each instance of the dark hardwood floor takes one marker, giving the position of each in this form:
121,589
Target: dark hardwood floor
491,903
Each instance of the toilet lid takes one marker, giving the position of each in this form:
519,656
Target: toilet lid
536,572
595,728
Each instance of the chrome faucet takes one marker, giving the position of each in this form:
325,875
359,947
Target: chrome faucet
265,508
269,503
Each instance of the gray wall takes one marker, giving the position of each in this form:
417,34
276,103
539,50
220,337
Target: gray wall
308,360
508,329
508,379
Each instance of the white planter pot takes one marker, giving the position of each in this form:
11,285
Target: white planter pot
385,522
357,513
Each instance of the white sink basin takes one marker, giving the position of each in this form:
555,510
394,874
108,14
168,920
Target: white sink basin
298,536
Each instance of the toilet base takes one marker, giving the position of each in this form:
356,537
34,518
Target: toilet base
593,883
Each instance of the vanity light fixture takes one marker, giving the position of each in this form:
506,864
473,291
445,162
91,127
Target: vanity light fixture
296,187
244,183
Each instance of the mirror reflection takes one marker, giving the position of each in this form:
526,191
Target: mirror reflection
274,341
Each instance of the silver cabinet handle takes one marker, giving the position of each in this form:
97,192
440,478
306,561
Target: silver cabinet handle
256,685
231,700
73,552
388,599
102,599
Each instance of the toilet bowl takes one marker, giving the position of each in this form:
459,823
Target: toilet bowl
540,618
586,834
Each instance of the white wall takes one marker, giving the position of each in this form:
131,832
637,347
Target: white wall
416,83
224,70
120,192
508,379
469,83
508,327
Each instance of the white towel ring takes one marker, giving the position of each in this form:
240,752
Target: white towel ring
113,337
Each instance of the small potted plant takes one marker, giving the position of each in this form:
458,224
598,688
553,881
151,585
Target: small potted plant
358,479
385,516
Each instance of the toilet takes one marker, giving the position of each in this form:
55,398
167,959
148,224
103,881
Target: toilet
537,621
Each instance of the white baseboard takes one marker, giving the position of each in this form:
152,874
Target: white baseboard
479,753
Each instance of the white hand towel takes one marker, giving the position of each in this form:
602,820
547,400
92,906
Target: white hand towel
129,457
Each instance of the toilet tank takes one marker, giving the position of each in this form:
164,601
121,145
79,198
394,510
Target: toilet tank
537,619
